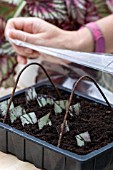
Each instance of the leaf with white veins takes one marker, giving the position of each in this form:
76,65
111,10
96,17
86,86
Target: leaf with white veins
43,121
44,100
30,94
74,108
50,101
29,118
57,108
3,107
16,112
60,105
41,101
66,128
83,138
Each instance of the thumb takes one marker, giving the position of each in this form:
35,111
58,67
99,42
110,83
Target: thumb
21,35
21,59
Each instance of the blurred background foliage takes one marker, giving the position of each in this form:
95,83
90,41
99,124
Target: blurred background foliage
53,11
12,8
8,63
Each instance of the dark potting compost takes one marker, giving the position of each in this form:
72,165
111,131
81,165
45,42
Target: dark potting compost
95,120
57,129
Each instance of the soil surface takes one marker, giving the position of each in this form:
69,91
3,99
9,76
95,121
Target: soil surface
95,118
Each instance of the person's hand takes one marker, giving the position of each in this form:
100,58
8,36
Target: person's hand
34,31
39,32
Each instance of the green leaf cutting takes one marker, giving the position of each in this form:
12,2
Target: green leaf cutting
83,138
44,121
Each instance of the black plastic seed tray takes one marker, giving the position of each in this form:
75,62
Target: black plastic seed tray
46,156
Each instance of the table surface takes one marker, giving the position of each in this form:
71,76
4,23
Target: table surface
10,162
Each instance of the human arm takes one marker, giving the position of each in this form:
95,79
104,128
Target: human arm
39,32
34,31
105,25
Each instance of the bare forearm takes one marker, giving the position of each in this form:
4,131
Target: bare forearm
106,26
39,32
82,39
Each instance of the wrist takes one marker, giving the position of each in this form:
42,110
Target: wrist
98,38
85,42
88,39
80,40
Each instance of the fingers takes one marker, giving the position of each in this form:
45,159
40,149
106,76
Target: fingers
22,50
21,29
21,59
25,52
21,35
20,23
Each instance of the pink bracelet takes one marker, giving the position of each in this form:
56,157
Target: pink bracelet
99,41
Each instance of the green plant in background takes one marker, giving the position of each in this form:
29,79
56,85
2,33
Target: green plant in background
8,9
53,11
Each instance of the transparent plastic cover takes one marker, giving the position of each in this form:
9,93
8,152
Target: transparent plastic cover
67,66
102,62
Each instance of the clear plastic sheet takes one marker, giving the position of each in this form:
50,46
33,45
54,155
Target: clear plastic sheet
66,66
102,62
66,74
